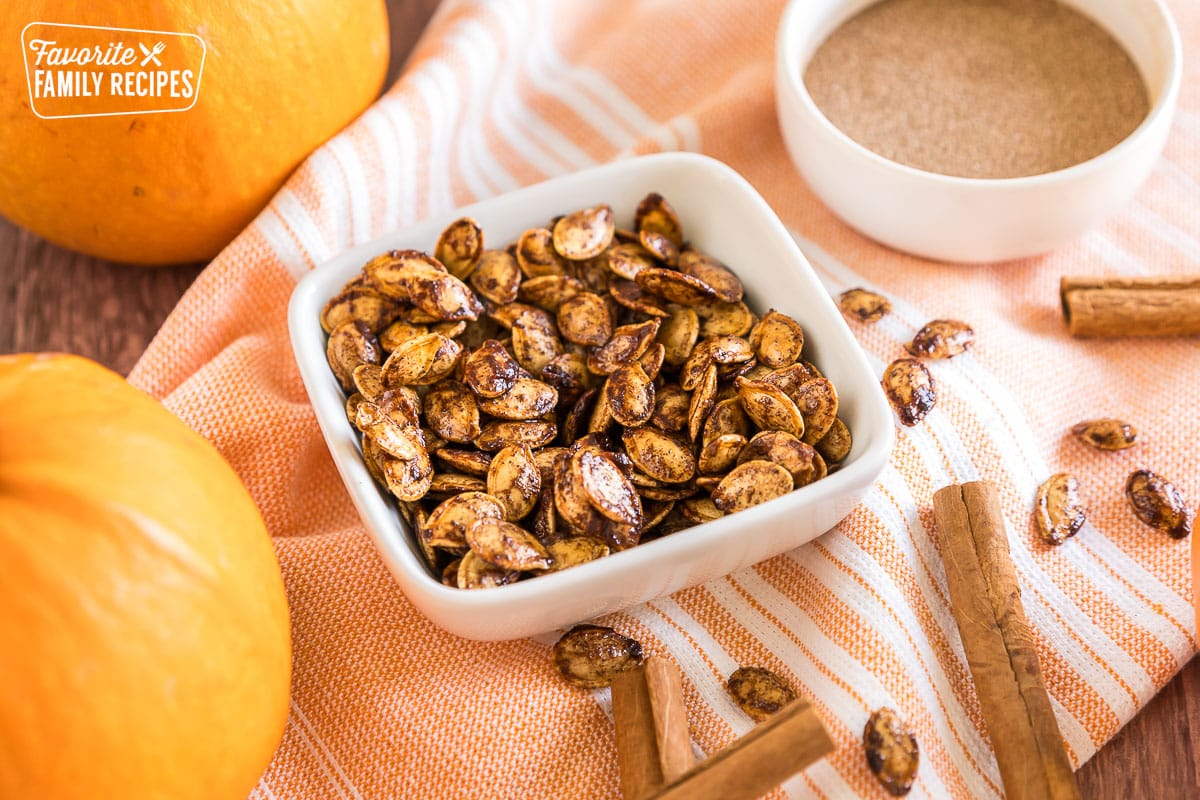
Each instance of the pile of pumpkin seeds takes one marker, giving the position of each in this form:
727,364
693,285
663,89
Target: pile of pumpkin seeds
585,389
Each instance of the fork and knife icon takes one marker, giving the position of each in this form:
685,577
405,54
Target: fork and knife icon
151,55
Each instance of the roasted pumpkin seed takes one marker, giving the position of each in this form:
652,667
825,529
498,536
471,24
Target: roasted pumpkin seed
362,304
411,361
408,479
629,392
451,330
1158,503
864,305
660,246
728,349
727,417
602,418
568,373
445,359
759,692
470,462
777,340
678,334
570,499
460,246
591,656
627,343
526,399
671,405
694,369
391,273
497,276
801,460
942,338
769,407
351,344
450,573
608,489
535,342
719,454
724,283
703,401
818,404
724,319
573,551
675,287
394,438
536,254
476,573
654,213
751,483
490,371
910,389
627,260
699,510
455,482
652,360
1059,511
452,412
1105,434
514,479
352,403
578,418
506,545
505,315
891,751
445,297
790,378
659,455
446,526
368,381
835,445
550,291
584,319
496,435
629,295
585,233
402,404
399,332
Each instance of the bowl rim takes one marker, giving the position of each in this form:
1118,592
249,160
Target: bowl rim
790,75
307,300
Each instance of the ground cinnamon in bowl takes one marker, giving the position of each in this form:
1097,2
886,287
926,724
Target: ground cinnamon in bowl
978,88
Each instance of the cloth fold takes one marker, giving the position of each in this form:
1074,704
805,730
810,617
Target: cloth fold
501,94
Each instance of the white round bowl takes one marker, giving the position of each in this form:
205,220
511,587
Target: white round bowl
973,219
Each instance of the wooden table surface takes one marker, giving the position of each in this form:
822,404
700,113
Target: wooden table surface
55,300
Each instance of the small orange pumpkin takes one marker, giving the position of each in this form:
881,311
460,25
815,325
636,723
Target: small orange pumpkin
143,621
278,79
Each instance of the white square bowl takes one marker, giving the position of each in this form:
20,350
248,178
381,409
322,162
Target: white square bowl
722,215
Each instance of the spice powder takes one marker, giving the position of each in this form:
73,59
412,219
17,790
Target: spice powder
978,88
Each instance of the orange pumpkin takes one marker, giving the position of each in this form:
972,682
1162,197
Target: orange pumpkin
277,81
143,623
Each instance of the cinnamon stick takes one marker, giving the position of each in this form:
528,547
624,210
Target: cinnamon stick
998,640
637,744
665,686
759,761
653,742
1112,307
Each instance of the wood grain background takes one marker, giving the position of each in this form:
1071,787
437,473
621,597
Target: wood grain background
55,300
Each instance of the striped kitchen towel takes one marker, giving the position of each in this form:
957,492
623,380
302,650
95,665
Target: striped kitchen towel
501,94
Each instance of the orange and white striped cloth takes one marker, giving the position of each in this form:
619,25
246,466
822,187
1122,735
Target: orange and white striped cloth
500,94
